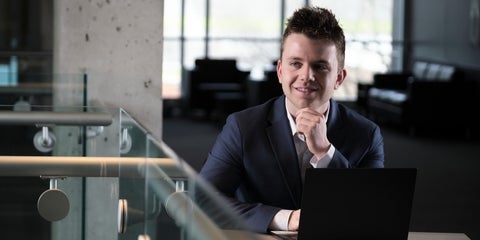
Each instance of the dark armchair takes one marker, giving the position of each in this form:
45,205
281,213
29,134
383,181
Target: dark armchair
216,86
433,97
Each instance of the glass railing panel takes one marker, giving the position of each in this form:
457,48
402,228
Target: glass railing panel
36,131
94,198
132,190
170,202
62,131
133,137
164,196
191,208
22,90
75,133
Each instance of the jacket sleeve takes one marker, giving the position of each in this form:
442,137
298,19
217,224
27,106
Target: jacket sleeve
225,171
365,156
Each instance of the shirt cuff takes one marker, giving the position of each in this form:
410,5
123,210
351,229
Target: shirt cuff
280,220
325,160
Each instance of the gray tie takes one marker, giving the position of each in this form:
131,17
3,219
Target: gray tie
307,155
304,156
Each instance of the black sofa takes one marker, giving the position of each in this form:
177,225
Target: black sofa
433,97
216,87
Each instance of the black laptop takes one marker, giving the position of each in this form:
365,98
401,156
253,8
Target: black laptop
360,203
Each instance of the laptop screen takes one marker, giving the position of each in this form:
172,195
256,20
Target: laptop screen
359,203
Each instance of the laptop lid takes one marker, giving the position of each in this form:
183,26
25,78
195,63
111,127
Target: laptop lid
357,203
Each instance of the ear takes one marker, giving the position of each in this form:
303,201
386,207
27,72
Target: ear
342,74
279,70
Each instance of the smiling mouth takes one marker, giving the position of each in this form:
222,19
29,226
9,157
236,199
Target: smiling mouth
305,89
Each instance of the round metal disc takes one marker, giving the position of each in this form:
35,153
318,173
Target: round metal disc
53,205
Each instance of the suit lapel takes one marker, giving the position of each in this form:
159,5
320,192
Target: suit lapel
335,130
283,147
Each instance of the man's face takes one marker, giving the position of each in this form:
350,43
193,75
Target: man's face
309,72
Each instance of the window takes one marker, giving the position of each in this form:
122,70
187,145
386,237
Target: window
235,29
9,72
250,35
25,41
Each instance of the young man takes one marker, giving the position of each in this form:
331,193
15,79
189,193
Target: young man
255,161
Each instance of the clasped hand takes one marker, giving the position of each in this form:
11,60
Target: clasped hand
313,125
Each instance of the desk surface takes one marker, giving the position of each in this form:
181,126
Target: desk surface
232,234
436,236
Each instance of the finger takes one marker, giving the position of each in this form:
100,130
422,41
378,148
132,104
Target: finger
306,112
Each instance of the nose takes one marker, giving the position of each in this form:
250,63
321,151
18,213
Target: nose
308,73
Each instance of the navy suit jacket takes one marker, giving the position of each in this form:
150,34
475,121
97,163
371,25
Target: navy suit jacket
254,163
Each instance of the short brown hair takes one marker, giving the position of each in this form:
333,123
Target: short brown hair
317,23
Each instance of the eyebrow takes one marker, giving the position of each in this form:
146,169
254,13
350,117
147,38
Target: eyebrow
321,61
294,58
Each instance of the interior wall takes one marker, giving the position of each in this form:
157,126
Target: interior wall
440,32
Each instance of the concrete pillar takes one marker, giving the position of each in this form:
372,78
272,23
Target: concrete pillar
118,44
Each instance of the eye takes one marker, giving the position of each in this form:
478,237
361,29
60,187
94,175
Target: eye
295,64
320,67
